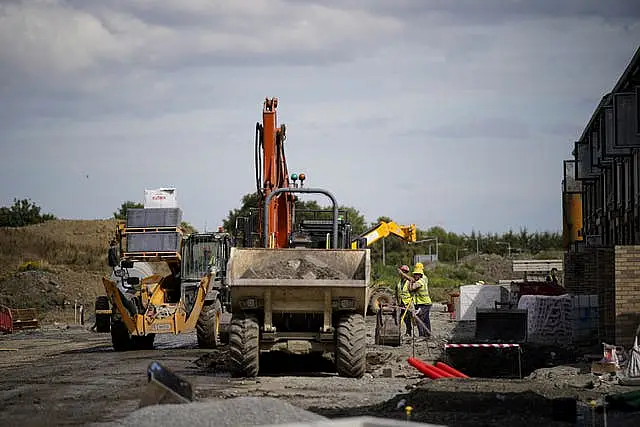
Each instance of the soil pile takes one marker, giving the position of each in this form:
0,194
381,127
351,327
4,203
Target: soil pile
301,268
32,289
491,267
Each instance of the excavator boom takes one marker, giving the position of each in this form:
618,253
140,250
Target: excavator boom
385,229
275,175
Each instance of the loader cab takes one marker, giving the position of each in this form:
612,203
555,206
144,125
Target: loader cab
204,254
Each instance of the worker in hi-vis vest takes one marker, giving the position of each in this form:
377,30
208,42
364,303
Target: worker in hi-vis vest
421,299
403,296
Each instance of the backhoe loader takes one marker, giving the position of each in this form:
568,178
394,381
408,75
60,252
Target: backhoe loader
142,303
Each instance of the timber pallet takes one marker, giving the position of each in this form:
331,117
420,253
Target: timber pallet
151,230
24,318
150,256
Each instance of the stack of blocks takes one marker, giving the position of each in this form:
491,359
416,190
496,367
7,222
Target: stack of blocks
585,318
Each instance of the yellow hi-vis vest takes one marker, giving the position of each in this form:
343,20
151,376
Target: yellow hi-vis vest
421,295
402,291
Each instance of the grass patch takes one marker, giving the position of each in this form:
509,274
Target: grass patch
35,266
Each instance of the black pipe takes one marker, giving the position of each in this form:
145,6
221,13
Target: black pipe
300,190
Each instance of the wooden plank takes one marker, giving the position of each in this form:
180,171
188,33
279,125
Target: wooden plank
536,265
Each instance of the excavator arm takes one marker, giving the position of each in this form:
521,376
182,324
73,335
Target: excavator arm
384,229
272,174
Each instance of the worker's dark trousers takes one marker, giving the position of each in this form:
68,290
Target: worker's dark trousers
407,318
423,315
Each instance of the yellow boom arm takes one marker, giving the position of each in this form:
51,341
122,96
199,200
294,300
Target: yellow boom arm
384,229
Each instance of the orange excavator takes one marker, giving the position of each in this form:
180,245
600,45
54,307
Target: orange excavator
273,176
290,298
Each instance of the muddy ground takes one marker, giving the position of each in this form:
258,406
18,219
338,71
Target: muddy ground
71,376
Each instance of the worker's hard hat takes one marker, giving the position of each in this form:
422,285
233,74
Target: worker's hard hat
404,268
419,265
418,269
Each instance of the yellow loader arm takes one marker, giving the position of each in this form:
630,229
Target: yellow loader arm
153,320
384,229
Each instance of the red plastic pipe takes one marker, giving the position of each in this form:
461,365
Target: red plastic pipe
443,373
424,368
429,370
450,370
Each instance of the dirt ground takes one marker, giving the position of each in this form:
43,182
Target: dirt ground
68,375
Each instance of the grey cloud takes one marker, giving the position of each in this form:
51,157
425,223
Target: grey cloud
493,11
494,128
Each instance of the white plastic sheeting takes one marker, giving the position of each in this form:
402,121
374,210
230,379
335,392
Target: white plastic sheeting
160,198
478,296
633,365
549,318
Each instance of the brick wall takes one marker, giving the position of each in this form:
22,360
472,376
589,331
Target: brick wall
627,294
614,275
591,272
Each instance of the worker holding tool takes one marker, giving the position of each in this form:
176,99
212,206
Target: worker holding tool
403,296
419,289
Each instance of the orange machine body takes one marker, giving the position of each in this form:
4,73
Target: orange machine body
275,176
572,219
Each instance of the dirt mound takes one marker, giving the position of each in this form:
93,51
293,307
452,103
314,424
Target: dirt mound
52,265
32,289
300,268
490,267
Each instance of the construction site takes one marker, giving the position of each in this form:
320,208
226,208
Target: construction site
278,321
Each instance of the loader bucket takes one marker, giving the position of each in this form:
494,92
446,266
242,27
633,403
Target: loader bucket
299,277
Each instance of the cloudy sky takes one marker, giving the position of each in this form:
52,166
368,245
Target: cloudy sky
433,112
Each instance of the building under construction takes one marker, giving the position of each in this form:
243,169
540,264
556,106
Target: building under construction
601,210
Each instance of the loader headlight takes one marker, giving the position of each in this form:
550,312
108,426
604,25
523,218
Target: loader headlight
344,303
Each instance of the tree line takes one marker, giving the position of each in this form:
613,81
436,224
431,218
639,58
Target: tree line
22,213
450,246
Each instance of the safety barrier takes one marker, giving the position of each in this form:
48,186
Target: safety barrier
516,346
6,320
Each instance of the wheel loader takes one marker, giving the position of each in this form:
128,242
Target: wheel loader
141,303
286,294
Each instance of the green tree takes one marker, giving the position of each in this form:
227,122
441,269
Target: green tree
249,202
188,228
122,212
21,213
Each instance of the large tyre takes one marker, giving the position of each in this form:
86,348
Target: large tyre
351,348
144,342
103,320
380,296
122,339
208,326
244,346
388,328
120,336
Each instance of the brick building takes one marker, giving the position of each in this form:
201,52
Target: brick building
601,205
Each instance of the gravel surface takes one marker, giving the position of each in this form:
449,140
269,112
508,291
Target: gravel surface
71,376
241,411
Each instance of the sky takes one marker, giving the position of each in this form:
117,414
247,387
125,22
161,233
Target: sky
432,112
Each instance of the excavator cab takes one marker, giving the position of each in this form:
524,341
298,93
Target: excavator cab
314,228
